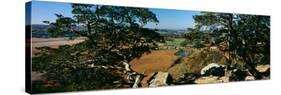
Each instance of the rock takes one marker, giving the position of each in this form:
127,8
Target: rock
249,78
263,68
213,69
207,79
161,79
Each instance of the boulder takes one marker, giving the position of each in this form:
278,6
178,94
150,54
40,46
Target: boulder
264,69
213,69
161,79
249,78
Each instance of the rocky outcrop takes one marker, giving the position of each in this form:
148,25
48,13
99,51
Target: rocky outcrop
213,69
161,79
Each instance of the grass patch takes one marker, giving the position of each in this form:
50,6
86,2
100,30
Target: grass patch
175,42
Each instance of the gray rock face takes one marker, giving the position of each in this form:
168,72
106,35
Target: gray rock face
161,79
213,69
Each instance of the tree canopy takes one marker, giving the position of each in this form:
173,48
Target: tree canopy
244,37
113,34
109,27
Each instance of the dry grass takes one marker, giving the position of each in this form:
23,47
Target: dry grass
199,58
155,61
178,70
37,40
164,60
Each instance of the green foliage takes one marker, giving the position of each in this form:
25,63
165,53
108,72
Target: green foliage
198,39
254,38
110,27
185,43
114,34
244,37
175,42
69,67
38,86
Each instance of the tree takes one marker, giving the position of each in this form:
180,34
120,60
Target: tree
253,43
198,37
114,34
108,27
221,24
241,36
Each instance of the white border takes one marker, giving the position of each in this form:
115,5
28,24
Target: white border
12,47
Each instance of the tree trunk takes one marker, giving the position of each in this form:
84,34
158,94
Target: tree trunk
229,44
92,41
127,66
139,77
251,68
254,71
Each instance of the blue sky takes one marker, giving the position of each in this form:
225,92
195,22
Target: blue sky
168,19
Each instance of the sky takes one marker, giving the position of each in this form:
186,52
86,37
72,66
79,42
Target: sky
168,19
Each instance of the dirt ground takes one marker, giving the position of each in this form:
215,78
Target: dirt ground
156,61
51,42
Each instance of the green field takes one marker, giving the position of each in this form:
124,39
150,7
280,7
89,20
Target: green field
175,42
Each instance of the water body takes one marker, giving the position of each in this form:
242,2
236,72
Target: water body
182,53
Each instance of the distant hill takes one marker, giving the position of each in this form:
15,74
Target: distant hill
39,27
41,31
172,32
